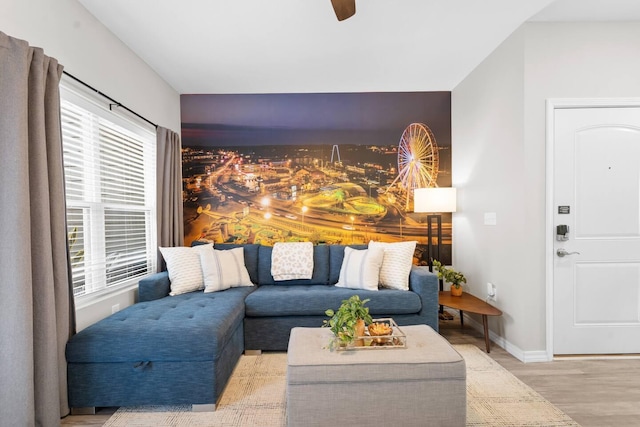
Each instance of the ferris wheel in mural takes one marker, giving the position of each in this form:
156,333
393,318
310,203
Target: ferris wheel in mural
417,160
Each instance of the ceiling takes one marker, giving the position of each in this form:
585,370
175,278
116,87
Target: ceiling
288,46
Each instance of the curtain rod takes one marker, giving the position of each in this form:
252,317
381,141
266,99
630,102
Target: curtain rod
115,103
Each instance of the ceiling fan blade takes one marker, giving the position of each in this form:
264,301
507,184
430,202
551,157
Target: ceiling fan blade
344,8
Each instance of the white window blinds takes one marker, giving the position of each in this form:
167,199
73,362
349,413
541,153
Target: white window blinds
109,164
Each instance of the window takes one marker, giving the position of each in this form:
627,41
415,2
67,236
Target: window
109,163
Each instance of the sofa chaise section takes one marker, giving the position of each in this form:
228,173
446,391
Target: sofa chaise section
175,350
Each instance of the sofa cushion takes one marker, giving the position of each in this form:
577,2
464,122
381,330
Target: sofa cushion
361,268
250,256
224,269
188,327
396,264
302,300
336,255
183,265
292,261
320,268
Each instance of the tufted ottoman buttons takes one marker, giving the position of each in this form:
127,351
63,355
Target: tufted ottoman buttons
141,366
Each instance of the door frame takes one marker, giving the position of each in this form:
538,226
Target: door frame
553,104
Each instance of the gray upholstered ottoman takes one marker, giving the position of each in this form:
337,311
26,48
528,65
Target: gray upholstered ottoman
421,385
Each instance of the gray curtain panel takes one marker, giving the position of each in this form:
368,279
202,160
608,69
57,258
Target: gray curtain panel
169,189
36,302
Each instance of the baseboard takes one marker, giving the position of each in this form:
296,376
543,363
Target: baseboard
523,356
252,352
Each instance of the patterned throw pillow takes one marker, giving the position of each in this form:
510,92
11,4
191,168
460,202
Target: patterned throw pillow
183,265
292,260
396,263
360,268
224,269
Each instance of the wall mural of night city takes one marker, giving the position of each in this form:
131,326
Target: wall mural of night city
327,168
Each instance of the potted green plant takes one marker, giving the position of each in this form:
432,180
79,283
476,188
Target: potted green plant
450,276
348,322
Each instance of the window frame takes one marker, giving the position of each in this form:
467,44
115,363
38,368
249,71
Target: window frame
94,208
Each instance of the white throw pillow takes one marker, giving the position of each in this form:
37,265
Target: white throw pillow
396,263
360,268
183,265
224,269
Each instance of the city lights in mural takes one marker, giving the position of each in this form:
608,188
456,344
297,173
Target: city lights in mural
326,168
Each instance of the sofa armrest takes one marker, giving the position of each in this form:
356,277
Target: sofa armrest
425,284
154,287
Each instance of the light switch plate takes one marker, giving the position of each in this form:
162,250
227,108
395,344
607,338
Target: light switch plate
490,218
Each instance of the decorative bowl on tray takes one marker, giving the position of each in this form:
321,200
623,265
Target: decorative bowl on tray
382,333
379,330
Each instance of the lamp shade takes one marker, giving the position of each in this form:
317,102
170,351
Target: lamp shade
434,199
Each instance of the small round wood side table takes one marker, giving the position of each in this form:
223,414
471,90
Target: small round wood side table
472,304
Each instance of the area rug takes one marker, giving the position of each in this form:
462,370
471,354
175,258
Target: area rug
255,396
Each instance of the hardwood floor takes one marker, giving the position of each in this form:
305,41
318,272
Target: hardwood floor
97,420
595,393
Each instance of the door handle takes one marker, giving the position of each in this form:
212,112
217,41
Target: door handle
562,252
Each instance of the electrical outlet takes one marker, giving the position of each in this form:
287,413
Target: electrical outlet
115,308
491,292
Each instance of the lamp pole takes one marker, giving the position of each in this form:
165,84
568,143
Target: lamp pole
434,201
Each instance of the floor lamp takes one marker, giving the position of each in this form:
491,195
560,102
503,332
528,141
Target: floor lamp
434,201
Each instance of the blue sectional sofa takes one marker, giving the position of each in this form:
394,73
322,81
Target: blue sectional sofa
182,349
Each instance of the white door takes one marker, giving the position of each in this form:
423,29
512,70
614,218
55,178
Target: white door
596,193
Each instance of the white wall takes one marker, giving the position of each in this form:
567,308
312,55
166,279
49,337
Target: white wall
498,131
67,32
487,167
